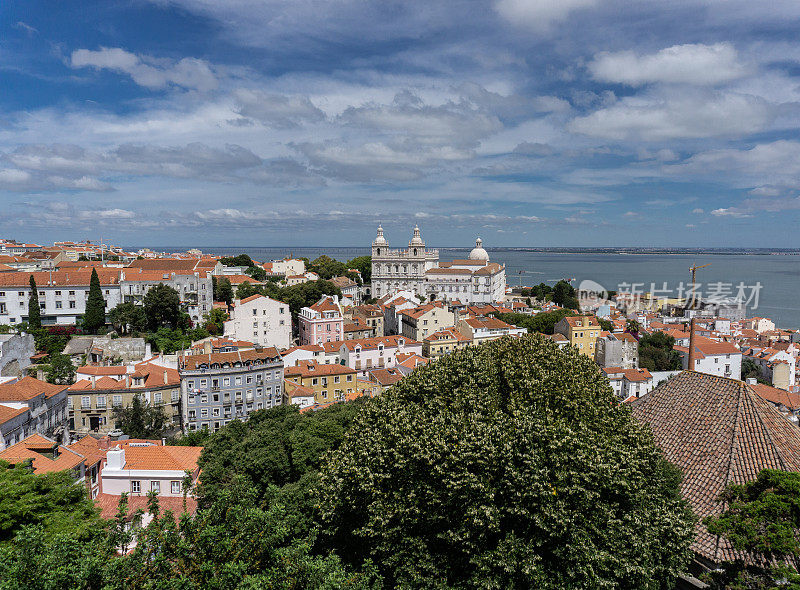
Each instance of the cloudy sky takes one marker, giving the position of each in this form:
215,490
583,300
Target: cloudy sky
306,122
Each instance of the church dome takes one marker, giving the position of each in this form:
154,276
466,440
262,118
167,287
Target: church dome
478,253
417,239
380,240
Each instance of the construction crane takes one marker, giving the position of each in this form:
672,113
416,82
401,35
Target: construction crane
691,361
693,270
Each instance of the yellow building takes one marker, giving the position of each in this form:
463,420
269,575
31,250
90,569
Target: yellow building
93,398
419,322
582,332
444,342
330,383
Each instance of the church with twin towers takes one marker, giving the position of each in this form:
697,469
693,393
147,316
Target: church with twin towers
417,269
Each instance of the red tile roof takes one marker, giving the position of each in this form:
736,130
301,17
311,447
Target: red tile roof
243,356
717,431
28,388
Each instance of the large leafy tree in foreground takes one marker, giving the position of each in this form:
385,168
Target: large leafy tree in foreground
506,465
762,522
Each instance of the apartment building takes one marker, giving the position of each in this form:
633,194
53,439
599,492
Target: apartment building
321,322
419,322
62,294
262,321
617,350
484,329
582,331
714,358
330,383
443,342
99,390
375,353
218,388
32,406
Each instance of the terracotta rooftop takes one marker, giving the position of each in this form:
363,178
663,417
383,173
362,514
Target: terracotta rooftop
314,369
157,457
375,341
28,388
241,356
778,396
386,377
717,431
39,449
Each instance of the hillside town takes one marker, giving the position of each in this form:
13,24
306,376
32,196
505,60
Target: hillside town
202,341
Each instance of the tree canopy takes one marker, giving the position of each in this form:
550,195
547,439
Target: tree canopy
95,316
762,521
564,295
51,500
541,323
34,311
656,352
505,465
162,305
60,369
127,318
140,419
362,264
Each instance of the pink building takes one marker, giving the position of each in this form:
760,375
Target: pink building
322,322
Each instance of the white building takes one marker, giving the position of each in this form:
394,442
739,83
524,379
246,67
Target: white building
379,352
62,294
417,269
714,358
629,383
286,267
139,468
261,320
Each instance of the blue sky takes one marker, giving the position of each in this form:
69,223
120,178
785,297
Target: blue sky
299,122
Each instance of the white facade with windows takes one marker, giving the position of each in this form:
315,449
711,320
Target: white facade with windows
417,269
262,321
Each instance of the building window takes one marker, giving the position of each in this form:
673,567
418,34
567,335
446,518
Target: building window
116,400
136,487
101,401
176,487
86,402
157,398
155,486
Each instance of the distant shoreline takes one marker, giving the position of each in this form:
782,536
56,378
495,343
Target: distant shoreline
541,250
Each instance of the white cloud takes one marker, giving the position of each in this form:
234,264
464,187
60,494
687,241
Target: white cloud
730,212
276,110
694,64
684,116
146,71
539,14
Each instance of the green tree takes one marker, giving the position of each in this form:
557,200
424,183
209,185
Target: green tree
656,352
162,305
362,264
140,419
327,268
245,290
564,295
127,318
606,324
34,311
258,273
507,465
60,370
541,323
51,500
761,521
95,316
274,447
240,260
214,321
224,291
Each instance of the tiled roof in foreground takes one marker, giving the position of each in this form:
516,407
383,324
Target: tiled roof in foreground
718,431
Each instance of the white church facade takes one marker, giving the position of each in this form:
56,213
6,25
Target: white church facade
417,269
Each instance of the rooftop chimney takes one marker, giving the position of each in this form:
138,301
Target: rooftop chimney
752,380
115,459
692,353
166,380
